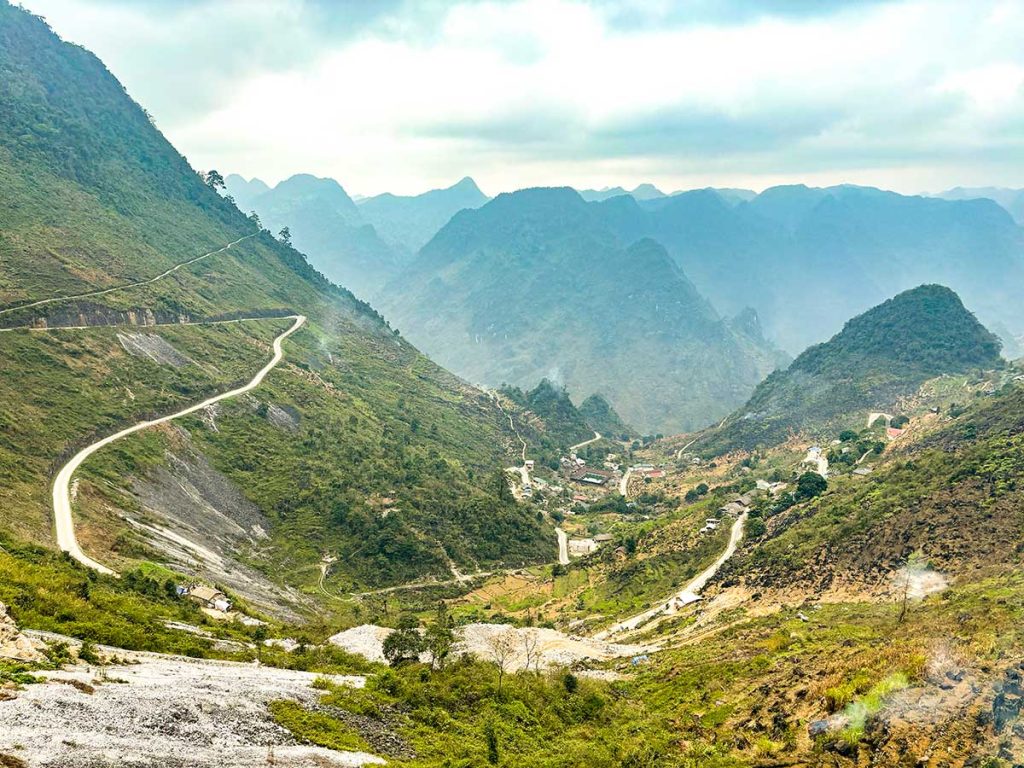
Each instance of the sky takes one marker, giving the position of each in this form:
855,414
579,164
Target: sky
407,95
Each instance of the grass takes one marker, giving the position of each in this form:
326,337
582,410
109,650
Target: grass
316,727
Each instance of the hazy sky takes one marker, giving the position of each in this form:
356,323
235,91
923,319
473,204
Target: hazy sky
403,95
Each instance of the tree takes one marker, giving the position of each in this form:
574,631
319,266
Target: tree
847,435
214,180
501,648
405,643
255,219
440,636
809,485
908,577
531,649
285,236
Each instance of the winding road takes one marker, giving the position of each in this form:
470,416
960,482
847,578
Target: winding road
136,284
688,594
63,520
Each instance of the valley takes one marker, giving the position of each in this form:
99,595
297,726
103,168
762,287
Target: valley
564,476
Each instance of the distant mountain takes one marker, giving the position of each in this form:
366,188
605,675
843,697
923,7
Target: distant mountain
536,284
244,192
641,192
806,259
408,223
1010,199
325,224
879,356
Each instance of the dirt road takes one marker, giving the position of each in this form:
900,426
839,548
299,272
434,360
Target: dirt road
563,546
63,520
594,439
688,594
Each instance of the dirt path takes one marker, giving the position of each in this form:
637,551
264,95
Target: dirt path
817,457
688,594
63,520
136,284
594,439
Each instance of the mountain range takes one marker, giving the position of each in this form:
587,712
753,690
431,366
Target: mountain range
1010,199
537,284
359,245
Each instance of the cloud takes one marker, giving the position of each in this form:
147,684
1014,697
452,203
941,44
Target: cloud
404,95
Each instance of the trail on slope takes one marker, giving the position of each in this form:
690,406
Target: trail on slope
136,284
63,521
688,594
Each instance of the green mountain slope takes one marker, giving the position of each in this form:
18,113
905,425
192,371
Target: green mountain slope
878,357
602,417
356,446
535,285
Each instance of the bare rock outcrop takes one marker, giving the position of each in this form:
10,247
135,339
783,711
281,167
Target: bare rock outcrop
13,644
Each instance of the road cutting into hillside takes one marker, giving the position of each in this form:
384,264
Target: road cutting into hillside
594,439
126,286
63,520
688,594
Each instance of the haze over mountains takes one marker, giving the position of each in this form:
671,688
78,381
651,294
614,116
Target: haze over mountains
357,245
795,261
537,284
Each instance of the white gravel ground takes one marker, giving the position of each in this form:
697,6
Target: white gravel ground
551,647
164,711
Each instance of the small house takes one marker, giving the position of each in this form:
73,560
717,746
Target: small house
603,538
208,597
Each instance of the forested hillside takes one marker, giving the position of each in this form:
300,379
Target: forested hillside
356,444
878,357
536,284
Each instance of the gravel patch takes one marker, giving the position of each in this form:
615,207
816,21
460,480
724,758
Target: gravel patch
545,647
164,711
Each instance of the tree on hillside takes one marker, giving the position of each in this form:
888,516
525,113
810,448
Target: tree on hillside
501,649
406,643
809,485
440,636
285,236
214,180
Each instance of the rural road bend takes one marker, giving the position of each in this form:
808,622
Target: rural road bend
136,284
63,521
688,594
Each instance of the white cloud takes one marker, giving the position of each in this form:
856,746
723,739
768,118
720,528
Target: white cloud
916,94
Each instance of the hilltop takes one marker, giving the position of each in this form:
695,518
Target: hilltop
878,357
535,284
